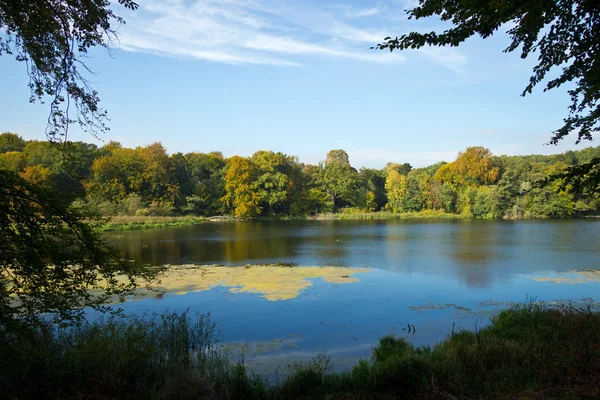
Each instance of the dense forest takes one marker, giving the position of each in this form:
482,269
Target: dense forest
114,180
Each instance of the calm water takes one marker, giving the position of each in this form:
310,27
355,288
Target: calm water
433,275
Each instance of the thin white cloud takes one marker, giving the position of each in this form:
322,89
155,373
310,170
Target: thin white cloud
273,32
445,56
364,12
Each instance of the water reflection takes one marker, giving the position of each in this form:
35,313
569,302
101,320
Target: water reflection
434,275
478,254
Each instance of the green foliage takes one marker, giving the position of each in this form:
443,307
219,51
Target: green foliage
158,356
340,180
337,157
561,33
14,161
313,201
146,181
564,35
373,182
52,258
11,142
207,175
448,198
487,203
146,171
53,38
275,185
528,351
402,169
126,223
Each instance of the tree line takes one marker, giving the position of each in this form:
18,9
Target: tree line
146,180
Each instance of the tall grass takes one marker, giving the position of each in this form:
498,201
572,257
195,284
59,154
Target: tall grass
123,223
531,351
159,356
353,214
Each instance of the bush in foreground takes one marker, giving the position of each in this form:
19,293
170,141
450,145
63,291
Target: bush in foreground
530,351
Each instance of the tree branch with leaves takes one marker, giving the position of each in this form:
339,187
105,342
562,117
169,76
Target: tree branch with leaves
52,38
52,260
564,34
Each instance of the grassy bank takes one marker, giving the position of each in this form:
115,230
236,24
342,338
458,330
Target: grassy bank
385,215
528,352
353,214
144,222
124,223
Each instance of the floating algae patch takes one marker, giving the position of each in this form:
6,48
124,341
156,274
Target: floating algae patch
273,282
252,349
435,306
573,278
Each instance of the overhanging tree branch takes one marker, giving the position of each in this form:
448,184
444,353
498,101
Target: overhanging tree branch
51,37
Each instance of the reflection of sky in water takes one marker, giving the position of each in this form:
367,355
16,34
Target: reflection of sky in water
345,320
427,274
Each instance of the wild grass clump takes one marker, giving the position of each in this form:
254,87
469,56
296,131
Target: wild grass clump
531,351
125,223
159,356
355,214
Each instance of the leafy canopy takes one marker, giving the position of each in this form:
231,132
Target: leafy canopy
52,38
52,260
564,34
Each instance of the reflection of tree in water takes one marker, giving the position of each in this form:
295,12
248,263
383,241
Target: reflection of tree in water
154,247
254,241
474,246
332,244
474,252
224,242
397,249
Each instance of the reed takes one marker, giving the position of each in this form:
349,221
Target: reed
530,351
123,223
386,215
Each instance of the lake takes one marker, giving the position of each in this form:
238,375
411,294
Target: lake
416,279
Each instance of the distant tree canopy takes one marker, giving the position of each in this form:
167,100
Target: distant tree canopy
564,34
115,180
52,38
11,142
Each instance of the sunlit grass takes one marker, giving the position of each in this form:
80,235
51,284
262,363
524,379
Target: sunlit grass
386,215
123,223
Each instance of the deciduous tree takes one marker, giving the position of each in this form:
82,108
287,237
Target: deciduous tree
240,195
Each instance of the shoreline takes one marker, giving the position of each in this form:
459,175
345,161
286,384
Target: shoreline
530,350
128,223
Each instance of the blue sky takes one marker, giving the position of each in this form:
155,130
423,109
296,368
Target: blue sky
298,77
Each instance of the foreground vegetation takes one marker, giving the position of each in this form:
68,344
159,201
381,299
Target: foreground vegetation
147,182
530,351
